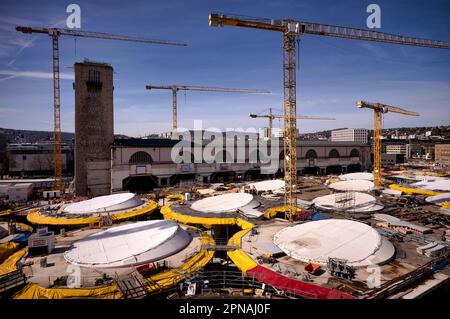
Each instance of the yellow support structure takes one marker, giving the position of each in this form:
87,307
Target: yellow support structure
411,191
35,217
10,264
33,291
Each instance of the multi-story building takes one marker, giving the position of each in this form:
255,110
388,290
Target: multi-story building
276,132
396,149
36,159
94,127
442,154
350,135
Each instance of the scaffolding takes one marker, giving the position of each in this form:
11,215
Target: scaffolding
344,200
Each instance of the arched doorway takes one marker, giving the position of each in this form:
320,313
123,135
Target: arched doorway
140,183
334,170
223,177
352,168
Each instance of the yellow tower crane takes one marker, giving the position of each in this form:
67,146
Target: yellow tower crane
378,110
272,116
55,33
176,88
291,31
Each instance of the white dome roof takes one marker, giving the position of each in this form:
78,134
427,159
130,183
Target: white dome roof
129,244
108,203
315,241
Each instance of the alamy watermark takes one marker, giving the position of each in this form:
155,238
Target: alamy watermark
374,19
232,146
73,21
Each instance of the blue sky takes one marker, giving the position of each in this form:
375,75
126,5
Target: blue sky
333,74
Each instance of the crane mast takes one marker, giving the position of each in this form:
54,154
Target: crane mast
55,33
291,30
378,110
176,88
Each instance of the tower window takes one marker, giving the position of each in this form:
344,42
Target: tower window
94,76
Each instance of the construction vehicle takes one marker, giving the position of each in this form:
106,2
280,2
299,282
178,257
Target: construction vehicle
378,110
313,269
55,33
291,31
272,116
176,88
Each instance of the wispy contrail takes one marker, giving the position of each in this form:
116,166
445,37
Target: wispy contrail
33,74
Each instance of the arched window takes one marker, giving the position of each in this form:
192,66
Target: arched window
141,158
333,153
354,153
311,154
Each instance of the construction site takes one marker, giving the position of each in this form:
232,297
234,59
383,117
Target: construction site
331,220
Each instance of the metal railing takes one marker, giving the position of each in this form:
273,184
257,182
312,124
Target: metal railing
220,281
11,280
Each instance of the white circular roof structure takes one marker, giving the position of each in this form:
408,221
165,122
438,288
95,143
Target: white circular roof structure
358,243
108,203
128,245
355,202
360,185
438,199
225,203
353,176
434,185
265,186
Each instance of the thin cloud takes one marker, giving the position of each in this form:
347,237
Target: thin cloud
19,44
10,74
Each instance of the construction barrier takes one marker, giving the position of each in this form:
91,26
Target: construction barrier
169,214
36,217
273,211
446,205
33,291
238,256
10,264
176,197
411,191
5,212
24,227
7,249
297,287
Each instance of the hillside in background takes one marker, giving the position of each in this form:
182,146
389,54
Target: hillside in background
443,131
26,136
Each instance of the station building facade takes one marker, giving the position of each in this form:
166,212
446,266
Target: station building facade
143,164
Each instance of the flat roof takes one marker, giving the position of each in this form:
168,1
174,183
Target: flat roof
145,142
36,180
398,222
